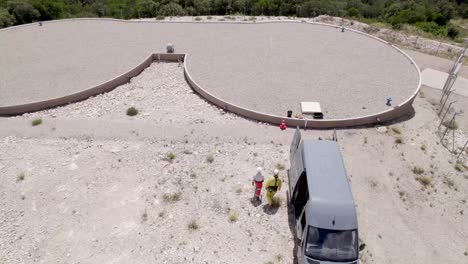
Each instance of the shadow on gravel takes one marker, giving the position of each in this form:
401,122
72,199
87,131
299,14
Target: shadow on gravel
255,202
292,228
270,210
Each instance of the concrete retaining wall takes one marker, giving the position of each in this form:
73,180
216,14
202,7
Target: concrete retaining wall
388,115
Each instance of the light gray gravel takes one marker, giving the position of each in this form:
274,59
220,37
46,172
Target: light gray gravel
265,67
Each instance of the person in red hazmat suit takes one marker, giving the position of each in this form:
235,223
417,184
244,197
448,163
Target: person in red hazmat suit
258,183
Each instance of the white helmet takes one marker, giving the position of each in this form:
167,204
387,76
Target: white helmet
276,172
259,169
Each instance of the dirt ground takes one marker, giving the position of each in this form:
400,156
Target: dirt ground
93,185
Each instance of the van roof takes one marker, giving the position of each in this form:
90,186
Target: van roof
331,203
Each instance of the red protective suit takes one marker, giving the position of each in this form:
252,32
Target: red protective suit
258,183
283,125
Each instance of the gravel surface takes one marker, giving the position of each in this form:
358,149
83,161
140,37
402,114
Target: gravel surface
265,67
95,180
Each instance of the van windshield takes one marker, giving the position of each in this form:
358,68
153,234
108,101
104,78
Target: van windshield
332,245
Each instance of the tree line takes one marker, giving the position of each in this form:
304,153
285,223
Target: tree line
432,16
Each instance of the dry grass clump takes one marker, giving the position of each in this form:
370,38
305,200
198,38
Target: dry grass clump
170,156
20,177
423,147
460,166
132,111
144,217
280,166
452,124
398,140
418,170
449,182
193,225
210,158
233,217
193,175
425,181
36,122
276,202
172,197
279,257
396,130
402,195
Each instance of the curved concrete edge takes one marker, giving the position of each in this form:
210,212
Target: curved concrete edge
98,89
383,116
387,115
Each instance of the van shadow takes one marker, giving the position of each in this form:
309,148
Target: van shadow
292,228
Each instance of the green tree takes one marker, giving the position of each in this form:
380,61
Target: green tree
147,8
452,31
49,9
172,9
353,12
98,8
264,7
6,19
202,7
23,11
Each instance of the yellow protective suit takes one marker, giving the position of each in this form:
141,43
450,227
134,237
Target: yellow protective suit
272,185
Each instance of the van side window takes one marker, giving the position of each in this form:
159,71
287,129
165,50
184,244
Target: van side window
300,195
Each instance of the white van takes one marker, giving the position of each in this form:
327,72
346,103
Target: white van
324,209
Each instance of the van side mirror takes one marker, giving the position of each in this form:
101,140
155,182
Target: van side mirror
362,247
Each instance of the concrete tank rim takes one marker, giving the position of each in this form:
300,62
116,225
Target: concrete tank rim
376,115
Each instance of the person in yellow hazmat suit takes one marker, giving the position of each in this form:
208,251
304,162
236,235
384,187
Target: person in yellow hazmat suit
272,185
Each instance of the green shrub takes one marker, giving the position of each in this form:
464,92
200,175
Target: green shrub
160,17
36,122
452,31
353,12
432,28
6,19
172,9
132,111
